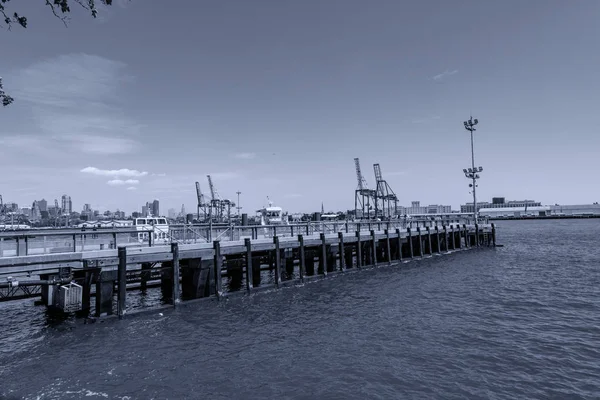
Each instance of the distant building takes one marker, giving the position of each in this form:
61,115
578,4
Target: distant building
67,205
416,208
468,207
43,205
144,211
172,213
155,208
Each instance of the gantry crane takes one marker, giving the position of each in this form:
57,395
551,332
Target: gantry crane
219,209
201,202
385,196
363,196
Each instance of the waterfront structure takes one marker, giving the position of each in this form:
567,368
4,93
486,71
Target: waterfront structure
473,172
293,253
468,207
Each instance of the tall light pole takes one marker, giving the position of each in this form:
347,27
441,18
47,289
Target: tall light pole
472,173
238,203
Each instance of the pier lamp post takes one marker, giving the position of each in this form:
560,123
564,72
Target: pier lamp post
238,202
472,173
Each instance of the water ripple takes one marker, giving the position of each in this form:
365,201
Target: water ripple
520,321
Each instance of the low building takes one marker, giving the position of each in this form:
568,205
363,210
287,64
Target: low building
515,212
576,210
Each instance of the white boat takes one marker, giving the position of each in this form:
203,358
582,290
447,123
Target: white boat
272,215
158,227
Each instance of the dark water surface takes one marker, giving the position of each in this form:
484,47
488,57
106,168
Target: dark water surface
522,321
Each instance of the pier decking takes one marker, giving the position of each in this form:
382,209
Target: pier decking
196,268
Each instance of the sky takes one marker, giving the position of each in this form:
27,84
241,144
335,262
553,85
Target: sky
277,97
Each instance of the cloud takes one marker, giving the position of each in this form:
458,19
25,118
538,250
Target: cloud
131,188
162,174
75,101
119,182
245,156
123,172
444,74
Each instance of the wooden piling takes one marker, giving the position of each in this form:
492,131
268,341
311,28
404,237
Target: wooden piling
494,235
453,242
249,276
410,243
341,251
446,238
388,249
302,257
122,280
429,249
399,241
437,239
218,265
477,239
358,250
323,257
466,234
277,261
175,265
374,251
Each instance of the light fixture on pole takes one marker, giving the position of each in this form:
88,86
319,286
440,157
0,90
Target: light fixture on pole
238,202
473,172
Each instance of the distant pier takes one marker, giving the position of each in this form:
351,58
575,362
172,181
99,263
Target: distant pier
192,269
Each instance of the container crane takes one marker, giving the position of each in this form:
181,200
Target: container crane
201,201
362,195
385,194
218,206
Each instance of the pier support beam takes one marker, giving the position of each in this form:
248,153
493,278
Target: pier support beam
175,274
429,249
302,258
374,250
218,265
493,235
446,238
277,261
249,279
410,243
122,281
104,293
358,250
323,256
388,249
341,252
399,242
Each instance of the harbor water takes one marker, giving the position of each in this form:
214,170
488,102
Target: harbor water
514,322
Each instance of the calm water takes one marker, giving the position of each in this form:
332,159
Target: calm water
522,321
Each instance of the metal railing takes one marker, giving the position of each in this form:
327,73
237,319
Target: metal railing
49,241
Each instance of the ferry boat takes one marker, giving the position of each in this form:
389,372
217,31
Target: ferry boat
272,215
158,227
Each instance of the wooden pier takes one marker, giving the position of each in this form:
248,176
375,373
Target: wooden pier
220,268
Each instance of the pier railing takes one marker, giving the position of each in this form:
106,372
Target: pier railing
50,241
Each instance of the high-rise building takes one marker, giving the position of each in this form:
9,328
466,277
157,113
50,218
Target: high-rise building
172,213
43,205
67,205
155,208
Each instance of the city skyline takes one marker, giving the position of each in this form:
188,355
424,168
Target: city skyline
277,99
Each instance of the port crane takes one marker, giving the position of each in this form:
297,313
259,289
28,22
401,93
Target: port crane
385,196
201,202
219,209
363,196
